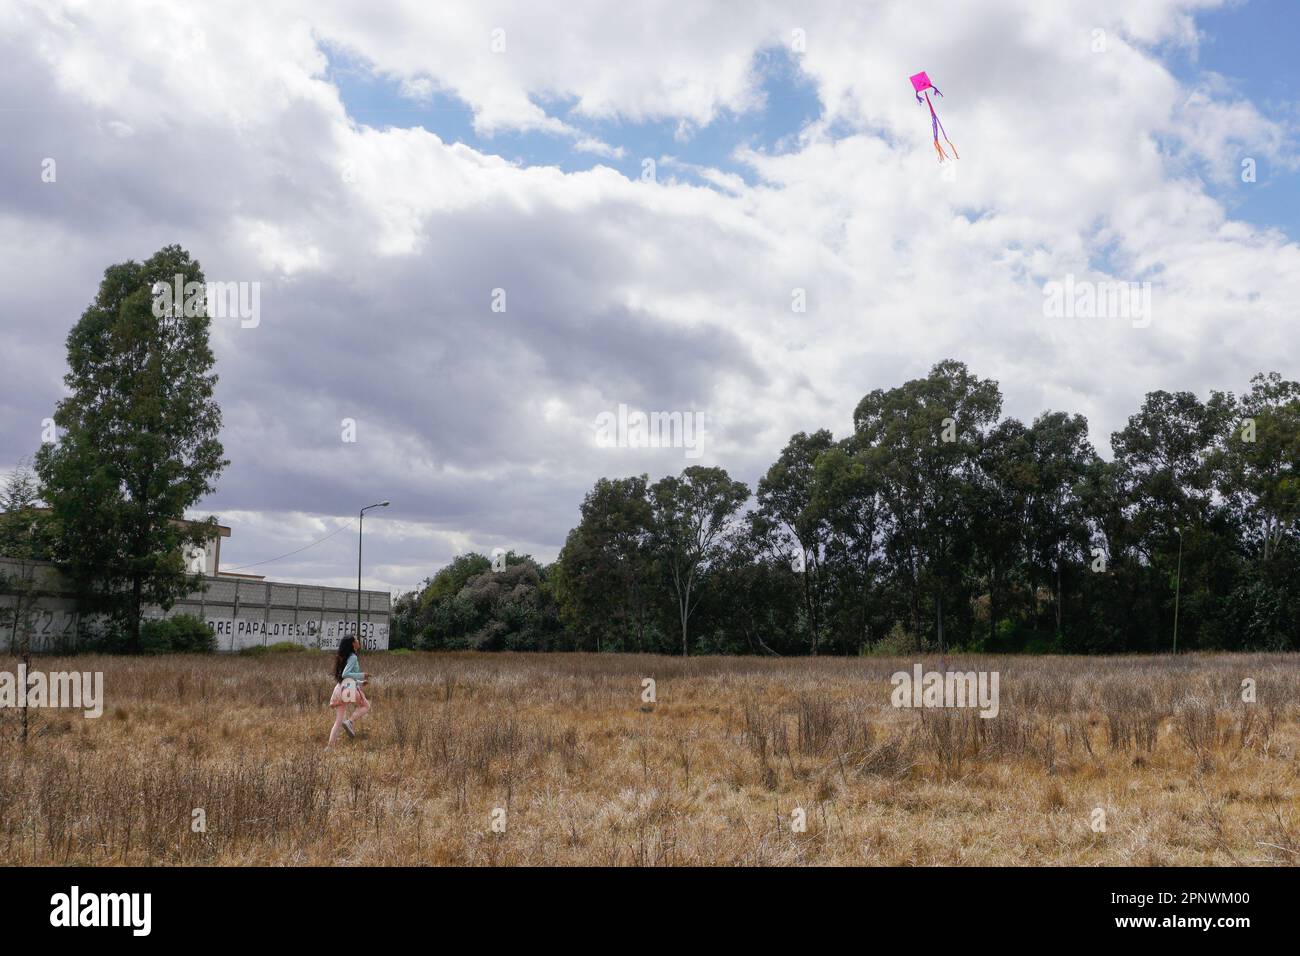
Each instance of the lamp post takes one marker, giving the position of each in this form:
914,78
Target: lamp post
1178,580
360,525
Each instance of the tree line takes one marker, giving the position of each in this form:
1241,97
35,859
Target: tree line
937,523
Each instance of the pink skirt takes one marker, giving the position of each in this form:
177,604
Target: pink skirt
338,698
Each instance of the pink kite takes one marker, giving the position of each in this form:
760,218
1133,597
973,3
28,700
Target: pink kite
921,84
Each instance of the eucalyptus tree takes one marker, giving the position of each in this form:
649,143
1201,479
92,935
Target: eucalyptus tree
922,439
692,516
847,496
606,572
786,497
1061,458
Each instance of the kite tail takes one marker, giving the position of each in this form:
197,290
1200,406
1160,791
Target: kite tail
937,128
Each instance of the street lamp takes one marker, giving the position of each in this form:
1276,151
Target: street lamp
361,524
1178,580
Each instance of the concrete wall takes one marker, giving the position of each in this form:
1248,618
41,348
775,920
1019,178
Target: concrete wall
242,613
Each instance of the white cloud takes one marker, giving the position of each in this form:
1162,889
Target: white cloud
588,144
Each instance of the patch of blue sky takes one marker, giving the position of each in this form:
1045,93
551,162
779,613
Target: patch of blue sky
1252,45
1108,257
786,104
379,102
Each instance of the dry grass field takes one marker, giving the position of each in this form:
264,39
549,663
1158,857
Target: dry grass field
1185,772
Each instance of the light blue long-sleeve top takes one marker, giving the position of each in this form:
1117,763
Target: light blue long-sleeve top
353,669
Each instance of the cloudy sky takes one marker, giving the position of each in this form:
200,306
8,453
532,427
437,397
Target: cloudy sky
644,187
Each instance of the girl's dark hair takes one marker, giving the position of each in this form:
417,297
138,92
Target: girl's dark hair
346,650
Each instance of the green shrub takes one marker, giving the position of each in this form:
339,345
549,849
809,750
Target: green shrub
1044,642
279,647
899,642
182,634
286,647
101,638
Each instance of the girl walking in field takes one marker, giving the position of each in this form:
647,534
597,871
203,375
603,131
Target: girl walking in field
347,668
